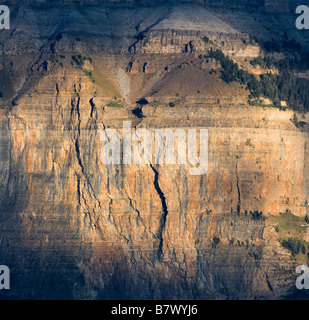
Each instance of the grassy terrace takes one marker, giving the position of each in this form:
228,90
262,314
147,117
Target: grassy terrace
291,230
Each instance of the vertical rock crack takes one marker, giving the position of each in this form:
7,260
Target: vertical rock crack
164,208
238,188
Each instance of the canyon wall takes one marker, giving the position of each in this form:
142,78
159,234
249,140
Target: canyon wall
73,227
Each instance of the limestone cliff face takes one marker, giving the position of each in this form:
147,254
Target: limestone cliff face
74,227
104,231
144,232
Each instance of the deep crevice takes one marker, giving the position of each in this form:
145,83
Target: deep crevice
238,188
78,190
79,156
164,208
92,107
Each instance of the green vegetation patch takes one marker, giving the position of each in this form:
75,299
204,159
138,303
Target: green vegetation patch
296,246
290,230
89,74
290,225
284,86
79,60
115,104
259,61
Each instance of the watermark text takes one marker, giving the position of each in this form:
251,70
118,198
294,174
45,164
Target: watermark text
302,22
158,146
4,17
4,277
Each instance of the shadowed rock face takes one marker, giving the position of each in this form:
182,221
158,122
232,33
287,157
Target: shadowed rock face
273,5
74,228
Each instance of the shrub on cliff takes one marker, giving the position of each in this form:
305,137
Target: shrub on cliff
293,245
215,242
284,86
256,215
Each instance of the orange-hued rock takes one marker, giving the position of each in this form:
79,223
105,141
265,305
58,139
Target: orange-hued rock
106,223
73,227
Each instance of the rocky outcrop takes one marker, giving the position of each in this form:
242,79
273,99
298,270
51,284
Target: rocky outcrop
74,227
107,231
